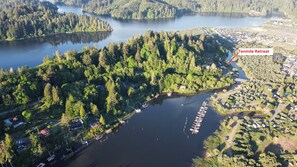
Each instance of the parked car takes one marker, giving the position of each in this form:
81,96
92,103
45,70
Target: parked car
41,165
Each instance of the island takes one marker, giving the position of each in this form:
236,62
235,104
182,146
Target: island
35,19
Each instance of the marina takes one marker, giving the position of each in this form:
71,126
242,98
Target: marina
199,118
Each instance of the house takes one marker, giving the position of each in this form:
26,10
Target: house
15,121
45,132
76,124
183,87
23,144
94,124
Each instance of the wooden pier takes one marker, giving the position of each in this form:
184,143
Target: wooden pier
199,118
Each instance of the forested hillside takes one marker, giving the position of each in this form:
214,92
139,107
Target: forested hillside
135,9
4,4
32,20
155,62
151,9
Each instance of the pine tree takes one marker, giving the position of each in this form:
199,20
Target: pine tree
137,56
111,100
55,95
82,111
58,56
87,60
8,148
36,148
48,99
103,58
69,106
2,154
102,120
94,109
64,119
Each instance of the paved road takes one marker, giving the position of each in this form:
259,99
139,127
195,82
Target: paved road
15,109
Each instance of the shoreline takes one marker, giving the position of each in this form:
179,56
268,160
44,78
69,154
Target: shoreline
48,35
181,13
116,126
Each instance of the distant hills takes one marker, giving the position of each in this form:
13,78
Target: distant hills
154,9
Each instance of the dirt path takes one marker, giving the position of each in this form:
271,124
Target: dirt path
278,110
231,136
15,109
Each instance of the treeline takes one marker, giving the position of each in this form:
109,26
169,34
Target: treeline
5,4
59,39
147,64
139,9
152,9
25,21
126,9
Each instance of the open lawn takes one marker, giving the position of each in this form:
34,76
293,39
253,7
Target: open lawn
289,144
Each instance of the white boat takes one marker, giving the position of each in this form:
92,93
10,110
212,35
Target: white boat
169,93
137,110
108,131
145,105
99,137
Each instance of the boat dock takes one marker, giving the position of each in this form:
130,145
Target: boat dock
199,118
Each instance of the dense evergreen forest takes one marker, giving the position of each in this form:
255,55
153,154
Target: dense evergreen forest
158,62
40,19
104,83
136,9
5,4
152,9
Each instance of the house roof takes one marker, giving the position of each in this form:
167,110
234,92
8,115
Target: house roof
44,132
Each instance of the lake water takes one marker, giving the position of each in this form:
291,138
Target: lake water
31,52
154,138
160,135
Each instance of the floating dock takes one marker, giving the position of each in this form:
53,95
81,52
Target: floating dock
199,118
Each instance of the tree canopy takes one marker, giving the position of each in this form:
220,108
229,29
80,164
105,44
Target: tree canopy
42,18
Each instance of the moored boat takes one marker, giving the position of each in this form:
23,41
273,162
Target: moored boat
169,93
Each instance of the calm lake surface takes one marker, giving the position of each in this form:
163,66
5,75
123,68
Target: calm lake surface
31,52
160,135
154,138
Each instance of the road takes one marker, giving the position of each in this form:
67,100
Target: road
17,108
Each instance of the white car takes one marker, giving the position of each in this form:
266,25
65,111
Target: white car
85,143
41,165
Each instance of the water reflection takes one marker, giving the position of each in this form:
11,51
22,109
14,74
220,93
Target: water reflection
225,14
59,39
31,52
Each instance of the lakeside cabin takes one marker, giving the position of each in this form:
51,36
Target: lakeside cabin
15,121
